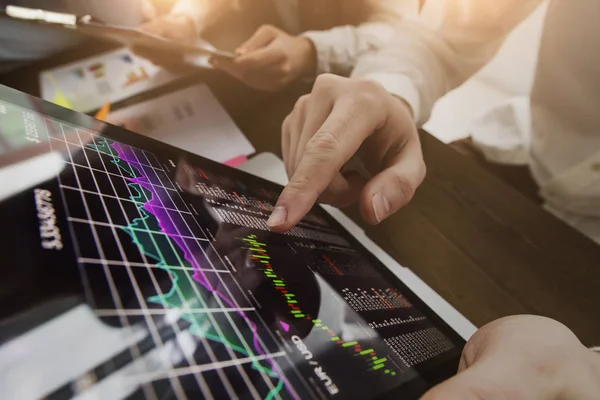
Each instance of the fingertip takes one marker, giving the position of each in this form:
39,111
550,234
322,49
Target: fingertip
278,218
367,211
381,207
389,191
293,204
382,198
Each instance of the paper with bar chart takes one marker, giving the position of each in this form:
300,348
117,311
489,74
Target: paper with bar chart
177,253
114,76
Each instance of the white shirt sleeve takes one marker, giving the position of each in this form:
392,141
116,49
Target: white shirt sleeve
437,51
338,49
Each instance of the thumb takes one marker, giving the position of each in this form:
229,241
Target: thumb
471,384
261,38
395,186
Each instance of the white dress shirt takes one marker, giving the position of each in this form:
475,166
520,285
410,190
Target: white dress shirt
453,39
337,49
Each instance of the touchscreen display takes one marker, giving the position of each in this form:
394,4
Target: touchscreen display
180,290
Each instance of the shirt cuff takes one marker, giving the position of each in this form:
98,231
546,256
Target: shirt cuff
400,86
320,40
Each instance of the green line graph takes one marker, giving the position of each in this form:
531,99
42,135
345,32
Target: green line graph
186,295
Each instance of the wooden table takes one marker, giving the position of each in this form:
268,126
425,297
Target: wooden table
477,242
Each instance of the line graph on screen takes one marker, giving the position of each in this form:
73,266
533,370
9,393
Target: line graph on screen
169,239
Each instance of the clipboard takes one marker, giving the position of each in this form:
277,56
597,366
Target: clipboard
89,26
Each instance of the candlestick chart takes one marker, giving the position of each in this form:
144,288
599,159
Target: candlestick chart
259,254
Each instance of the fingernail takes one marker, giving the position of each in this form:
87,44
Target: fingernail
381,207
278,217
240,52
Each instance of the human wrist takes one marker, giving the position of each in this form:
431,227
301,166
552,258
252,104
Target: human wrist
308,58
406,105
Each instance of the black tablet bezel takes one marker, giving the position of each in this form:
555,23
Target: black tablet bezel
440,373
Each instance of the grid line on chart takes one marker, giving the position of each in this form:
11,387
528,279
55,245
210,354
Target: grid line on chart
149,392
199,378
252,328
227,288
215,325
116,175
222,364
111,196
110,225
200,298
166,188
175,383
183,301
78,145
111,313
138,264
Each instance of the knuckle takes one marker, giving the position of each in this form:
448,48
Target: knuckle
367,94
286,126
303,100
302,184
301,104
368,85
286,68
407,190
267,28
323,143
326,82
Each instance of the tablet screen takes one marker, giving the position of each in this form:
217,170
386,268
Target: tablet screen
141,271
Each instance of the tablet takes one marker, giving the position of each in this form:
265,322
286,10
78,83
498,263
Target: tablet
136,37
139,270
125,35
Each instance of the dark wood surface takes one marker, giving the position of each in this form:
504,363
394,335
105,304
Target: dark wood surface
481,245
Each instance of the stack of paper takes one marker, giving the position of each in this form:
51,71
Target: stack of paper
191,119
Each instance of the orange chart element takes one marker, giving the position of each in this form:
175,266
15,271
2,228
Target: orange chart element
134,77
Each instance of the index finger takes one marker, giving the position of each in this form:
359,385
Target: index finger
261,38
261,58
340,136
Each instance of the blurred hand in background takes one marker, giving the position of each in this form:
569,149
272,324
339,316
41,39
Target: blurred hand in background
179,28
271,59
